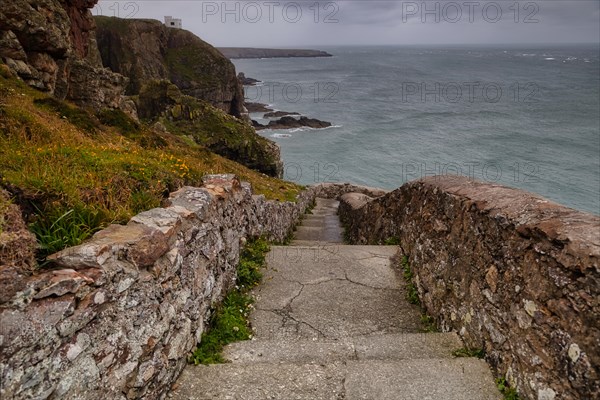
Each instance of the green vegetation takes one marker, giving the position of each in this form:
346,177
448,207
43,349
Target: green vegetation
504,388
195,63
392,241
466,352
207,126
227,325
229,322
74,172
117,118
58,229
252,260
428,322
191,59
132,130
79,117
288,238
412,295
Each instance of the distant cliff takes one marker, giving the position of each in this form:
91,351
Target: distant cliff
51,45
144,50
247,52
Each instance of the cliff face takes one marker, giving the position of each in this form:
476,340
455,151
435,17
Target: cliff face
51,45
144,50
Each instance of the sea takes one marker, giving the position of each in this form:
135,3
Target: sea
526,117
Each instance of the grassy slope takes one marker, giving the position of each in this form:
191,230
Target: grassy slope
78,175
208,126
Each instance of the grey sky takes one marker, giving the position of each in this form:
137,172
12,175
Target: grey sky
273,23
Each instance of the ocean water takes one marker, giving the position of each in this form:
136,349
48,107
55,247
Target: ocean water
525,117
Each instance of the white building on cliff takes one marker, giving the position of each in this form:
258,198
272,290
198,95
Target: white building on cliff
173,22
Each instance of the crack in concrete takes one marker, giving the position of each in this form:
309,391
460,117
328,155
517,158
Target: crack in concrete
368,286
346,278
286,315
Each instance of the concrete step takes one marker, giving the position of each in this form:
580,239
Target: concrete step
372,347
325,233
423,379
331,321
322,224
332,292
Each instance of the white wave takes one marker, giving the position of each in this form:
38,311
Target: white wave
332,126
549,58
281,135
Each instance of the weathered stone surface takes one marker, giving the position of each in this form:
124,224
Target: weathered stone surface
120,317
94,86
51,45
137,244
17,243
351,292
145,50
510,271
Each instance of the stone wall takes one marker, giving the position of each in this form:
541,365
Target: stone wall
118,315
513,273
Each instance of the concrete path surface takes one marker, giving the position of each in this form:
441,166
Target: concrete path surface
332,322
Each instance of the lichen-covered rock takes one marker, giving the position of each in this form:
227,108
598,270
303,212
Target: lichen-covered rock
512,272
145,50
51,45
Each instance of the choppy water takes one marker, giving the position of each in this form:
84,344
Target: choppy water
525,117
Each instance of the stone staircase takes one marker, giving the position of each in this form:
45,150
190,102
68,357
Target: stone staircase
332,322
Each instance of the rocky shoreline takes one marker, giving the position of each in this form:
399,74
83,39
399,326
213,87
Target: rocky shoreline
284,119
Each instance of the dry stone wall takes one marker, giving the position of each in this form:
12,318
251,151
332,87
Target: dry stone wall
118,315
513,273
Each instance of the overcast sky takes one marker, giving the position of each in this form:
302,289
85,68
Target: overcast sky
359,22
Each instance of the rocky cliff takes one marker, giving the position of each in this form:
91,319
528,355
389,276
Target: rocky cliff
144,50
162,103
51,45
